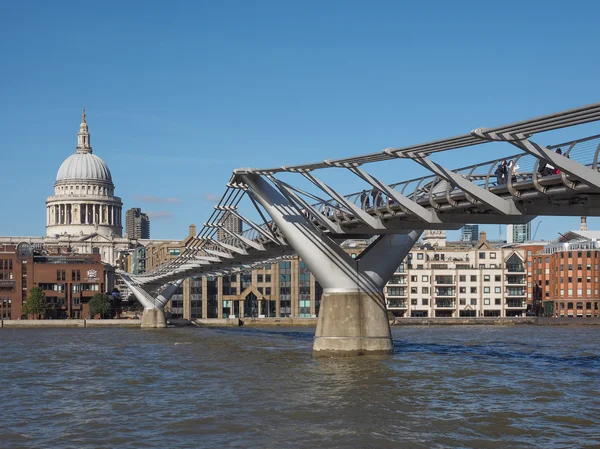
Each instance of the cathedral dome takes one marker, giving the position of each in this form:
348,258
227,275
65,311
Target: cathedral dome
84,166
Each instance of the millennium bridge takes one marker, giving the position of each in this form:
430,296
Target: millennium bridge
560,179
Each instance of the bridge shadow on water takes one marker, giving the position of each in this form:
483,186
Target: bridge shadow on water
500,351
307,334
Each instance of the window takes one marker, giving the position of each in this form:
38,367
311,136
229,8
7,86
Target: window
419,256
413,290
486,301
486,278
498,301
425,278
425,301
462,301
413,301
473,301
267,278
425,290
413,278
497,289
473,278
473,289
497,278
259,278
486,289
481,255
492,255
462,278
462,289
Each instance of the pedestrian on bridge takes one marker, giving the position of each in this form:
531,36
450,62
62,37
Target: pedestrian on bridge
501,172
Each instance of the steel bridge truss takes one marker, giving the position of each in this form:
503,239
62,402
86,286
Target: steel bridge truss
294,220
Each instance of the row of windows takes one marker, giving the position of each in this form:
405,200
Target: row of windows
588,305
461,278
462,302
579,292
570,268
6,263
481,256
401,291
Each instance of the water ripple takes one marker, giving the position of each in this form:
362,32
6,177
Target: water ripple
446,387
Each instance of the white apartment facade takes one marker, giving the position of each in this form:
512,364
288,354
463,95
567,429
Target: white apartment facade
459,282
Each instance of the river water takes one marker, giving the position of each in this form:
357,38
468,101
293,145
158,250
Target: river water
446,387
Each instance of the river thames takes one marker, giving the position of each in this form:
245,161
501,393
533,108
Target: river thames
446,387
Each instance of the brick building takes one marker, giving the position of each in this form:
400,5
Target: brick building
68,280
566,276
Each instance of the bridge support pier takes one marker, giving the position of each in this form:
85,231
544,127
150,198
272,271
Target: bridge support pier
154,307
351,324
154,319
353,315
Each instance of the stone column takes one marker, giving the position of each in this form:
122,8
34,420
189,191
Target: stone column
220,297
204,291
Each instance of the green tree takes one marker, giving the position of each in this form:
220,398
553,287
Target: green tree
36,304
99,304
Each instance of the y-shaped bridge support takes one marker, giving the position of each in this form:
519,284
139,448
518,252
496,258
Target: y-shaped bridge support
154,308
353,317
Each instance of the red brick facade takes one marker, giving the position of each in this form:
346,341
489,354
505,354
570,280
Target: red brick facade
68,281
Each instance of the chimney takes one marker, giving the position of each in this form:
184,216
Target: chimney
482,236
192,230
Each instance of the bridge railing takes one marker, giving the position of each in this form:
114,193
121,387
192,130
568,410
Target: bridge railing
483,174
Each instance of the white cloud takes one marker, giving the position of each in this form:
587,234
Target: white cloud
155,199
158,214
211,197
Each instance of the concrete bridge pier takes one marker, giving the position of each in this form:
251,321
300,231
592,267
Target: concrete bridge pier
154,307
153,319
353,315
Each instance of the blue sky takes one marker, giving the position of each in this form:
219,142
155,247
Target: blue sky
179,93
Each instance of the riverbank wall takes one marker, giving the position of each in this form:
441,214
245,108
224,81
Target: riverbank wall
495,321
304,322
37,324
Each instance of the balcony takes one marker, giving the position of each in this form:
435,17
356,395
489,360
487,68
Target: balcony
516,304
515,280
444,304
397,280
444,280
519,292
445,292
515,268
396,304
397,292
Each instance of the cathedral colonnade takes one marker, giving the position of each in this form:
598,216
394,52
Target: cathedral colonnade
83,213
